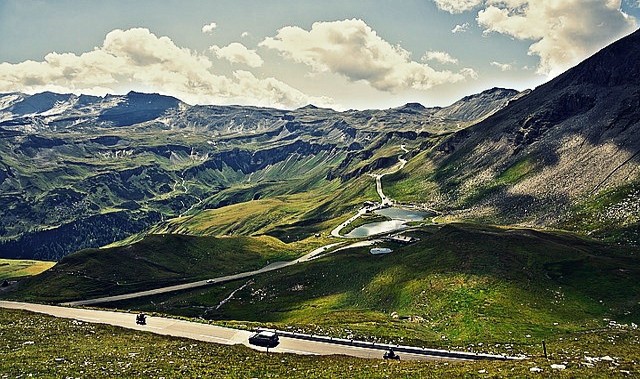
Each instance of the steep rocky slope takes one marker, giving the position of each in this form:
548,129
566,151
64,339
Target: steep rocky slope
474,108
560,155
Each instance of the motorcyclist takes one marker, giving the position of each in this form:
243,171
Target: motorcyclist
141,318
391,354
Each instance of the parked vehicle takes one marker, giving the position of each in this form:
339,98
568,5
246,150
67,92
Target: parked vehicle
391,355
265,338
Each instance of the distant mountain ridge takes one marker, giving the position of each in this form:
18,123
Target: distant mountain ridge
566,154
474,108
69,110
84,171
48,108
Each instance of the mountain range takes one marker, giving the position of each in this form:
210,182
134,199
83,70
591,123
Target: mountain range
85,171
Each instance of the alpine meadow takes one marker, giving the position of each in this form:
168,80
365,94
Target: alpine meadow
292,191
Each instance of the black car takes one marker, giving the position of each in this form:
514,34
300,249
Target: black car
264,338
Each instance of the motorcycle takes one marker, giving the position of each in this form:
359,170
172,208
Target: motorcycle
391,355
141,319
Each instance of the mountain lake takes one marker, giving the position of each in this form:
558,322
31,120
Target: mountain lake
399,219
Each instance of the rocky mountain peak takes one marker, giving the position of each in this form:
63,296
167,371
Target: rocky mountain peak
308,107
478,106
492,93
39,103
415,106
560,144
615,65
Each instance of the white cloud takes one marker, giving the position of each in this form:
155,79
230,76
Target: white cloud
136,59
457,6
270,92
439,56
209,28
238,53
244,34
565,32
469,72
502,66
460,28
352,49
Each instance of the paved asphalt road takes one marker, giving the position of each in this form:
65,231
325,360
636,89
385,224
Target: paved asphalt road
202,332
274,266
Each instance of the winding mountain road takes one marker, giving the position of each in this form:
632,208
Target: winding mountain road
201,283
336,231
289,342
274,266
384,200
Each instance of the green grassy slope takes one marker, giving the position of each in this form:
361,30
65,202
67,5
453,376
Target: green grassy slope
155,261
49,347
424,179
612,214
288,217
460,284
18,268
63,191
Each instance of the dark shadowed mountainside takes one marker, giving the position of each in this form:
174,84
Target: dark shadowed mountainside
566,154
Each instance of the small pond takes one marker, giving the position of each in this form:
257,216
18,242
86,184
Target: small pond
399,219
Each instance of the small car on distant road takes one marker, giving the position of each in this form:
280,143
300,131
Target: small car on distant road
264,338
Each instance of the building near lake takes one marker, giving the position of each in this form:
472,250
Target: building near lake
380,250
402,239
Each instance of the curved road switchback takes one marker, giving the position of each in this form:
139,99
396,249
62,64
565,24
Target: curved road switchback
385,201
289,342
321,251
336,231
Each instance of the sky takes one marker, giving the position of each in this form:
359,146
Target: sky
286,54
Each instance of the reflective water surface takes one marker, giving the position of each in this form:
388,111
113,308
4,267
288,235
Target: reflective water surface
399,219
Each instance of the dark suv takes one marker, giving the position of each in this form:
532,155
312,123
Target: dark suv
264,338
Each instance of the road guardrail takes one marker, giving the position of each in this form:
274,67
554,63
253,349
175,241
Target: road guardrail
396,348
